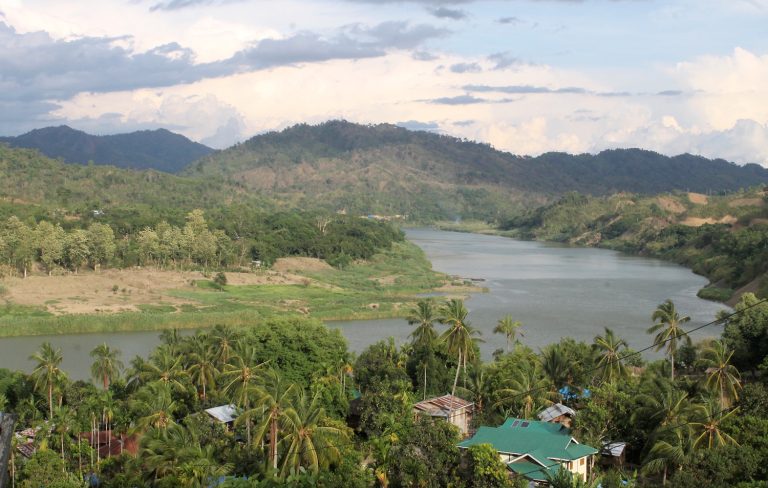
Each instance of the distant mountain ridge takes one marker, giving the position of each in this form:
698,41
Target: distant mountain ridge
389,169
147,149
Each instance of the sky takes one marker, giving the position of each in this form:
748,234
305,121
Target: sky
526,76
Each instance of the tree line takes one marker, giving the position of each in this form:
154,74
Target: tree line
234,241
696,417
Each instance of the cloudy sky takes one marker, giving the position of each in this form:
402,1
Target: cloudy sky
527,76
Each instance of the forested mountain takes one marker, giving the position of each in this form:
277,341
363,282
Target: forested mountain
381,169
33,183
388,169
147,149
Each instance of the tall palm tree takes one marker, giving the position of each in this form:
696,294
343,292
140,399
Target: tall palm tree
274,399
423,316
610,348
706,424
163,450
47,374
63,420
510,328
670,452
310,441
555,365
199,468
478,388
668,330
164,366
202,362
239,379
664,406
223,339
526,391
722,377
107,365
458,338
156,402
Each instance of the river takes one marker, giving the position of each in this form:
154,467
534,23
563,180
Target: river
555,291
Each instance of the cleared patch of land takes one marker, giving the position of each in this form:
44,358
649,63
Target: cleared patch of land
698,198
119,290
386,286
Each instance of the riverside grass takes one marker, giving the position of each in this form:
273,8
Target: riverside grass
385,286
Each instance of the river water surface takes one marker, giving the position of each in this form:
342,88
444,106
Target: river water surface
555,291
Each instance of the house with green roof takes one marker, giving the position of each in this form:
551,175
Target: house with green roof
534,449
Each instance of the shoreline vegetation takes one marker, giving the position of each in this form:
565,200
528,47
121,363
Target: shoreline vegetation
385,286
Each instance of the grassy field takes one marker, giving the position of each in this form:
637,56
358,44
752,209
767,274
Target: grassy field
384,287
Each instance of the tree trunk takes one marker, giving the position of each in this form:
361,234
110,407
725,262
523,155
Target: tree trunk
50,400
7,423
672,359
273,443
425,381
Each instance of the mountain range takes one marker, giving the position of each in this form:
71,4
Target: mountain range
157,149
382,169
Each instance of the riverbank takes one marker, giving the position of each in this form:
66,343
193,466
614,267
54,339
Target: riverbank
386,286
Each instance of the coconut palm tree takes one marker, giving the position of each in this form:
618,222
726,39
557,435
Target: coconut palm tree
239,379
723,378
63,420
423,316
510,328
164,449
47,374
458,338
157,404
555,365
164,366
200,468
477,388
310,441
668,330
526,391
202,367
223,339
706,425
664,406
107,365
274,399
670,452
610,364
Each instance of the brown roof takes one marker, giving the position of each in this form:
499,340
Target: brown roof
27,450
440,406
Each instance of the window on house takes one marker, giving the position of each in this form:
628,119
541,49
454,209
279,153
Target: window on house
514,424
581,463
525,424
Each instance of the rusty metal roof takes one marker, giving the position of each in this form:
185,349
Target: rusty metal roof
440,406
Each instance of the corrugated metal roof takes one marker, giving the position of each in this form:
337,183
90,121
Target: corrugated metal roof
440,406
223,413
531,437
555,411
614,449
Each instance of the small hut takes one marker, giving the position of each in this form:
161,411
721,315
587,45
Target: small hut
452,408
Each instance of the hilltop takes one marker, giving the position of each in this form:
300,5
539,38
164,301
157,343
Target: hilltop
391,170
159,149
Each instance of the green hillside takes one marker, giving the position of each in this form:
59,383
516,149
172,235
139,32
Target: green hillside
36,185
390,170
724,238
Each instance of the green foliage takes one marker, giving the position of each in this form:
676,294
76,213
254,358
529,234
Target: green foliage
485,469
747,332
300,349
45,468
425,456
